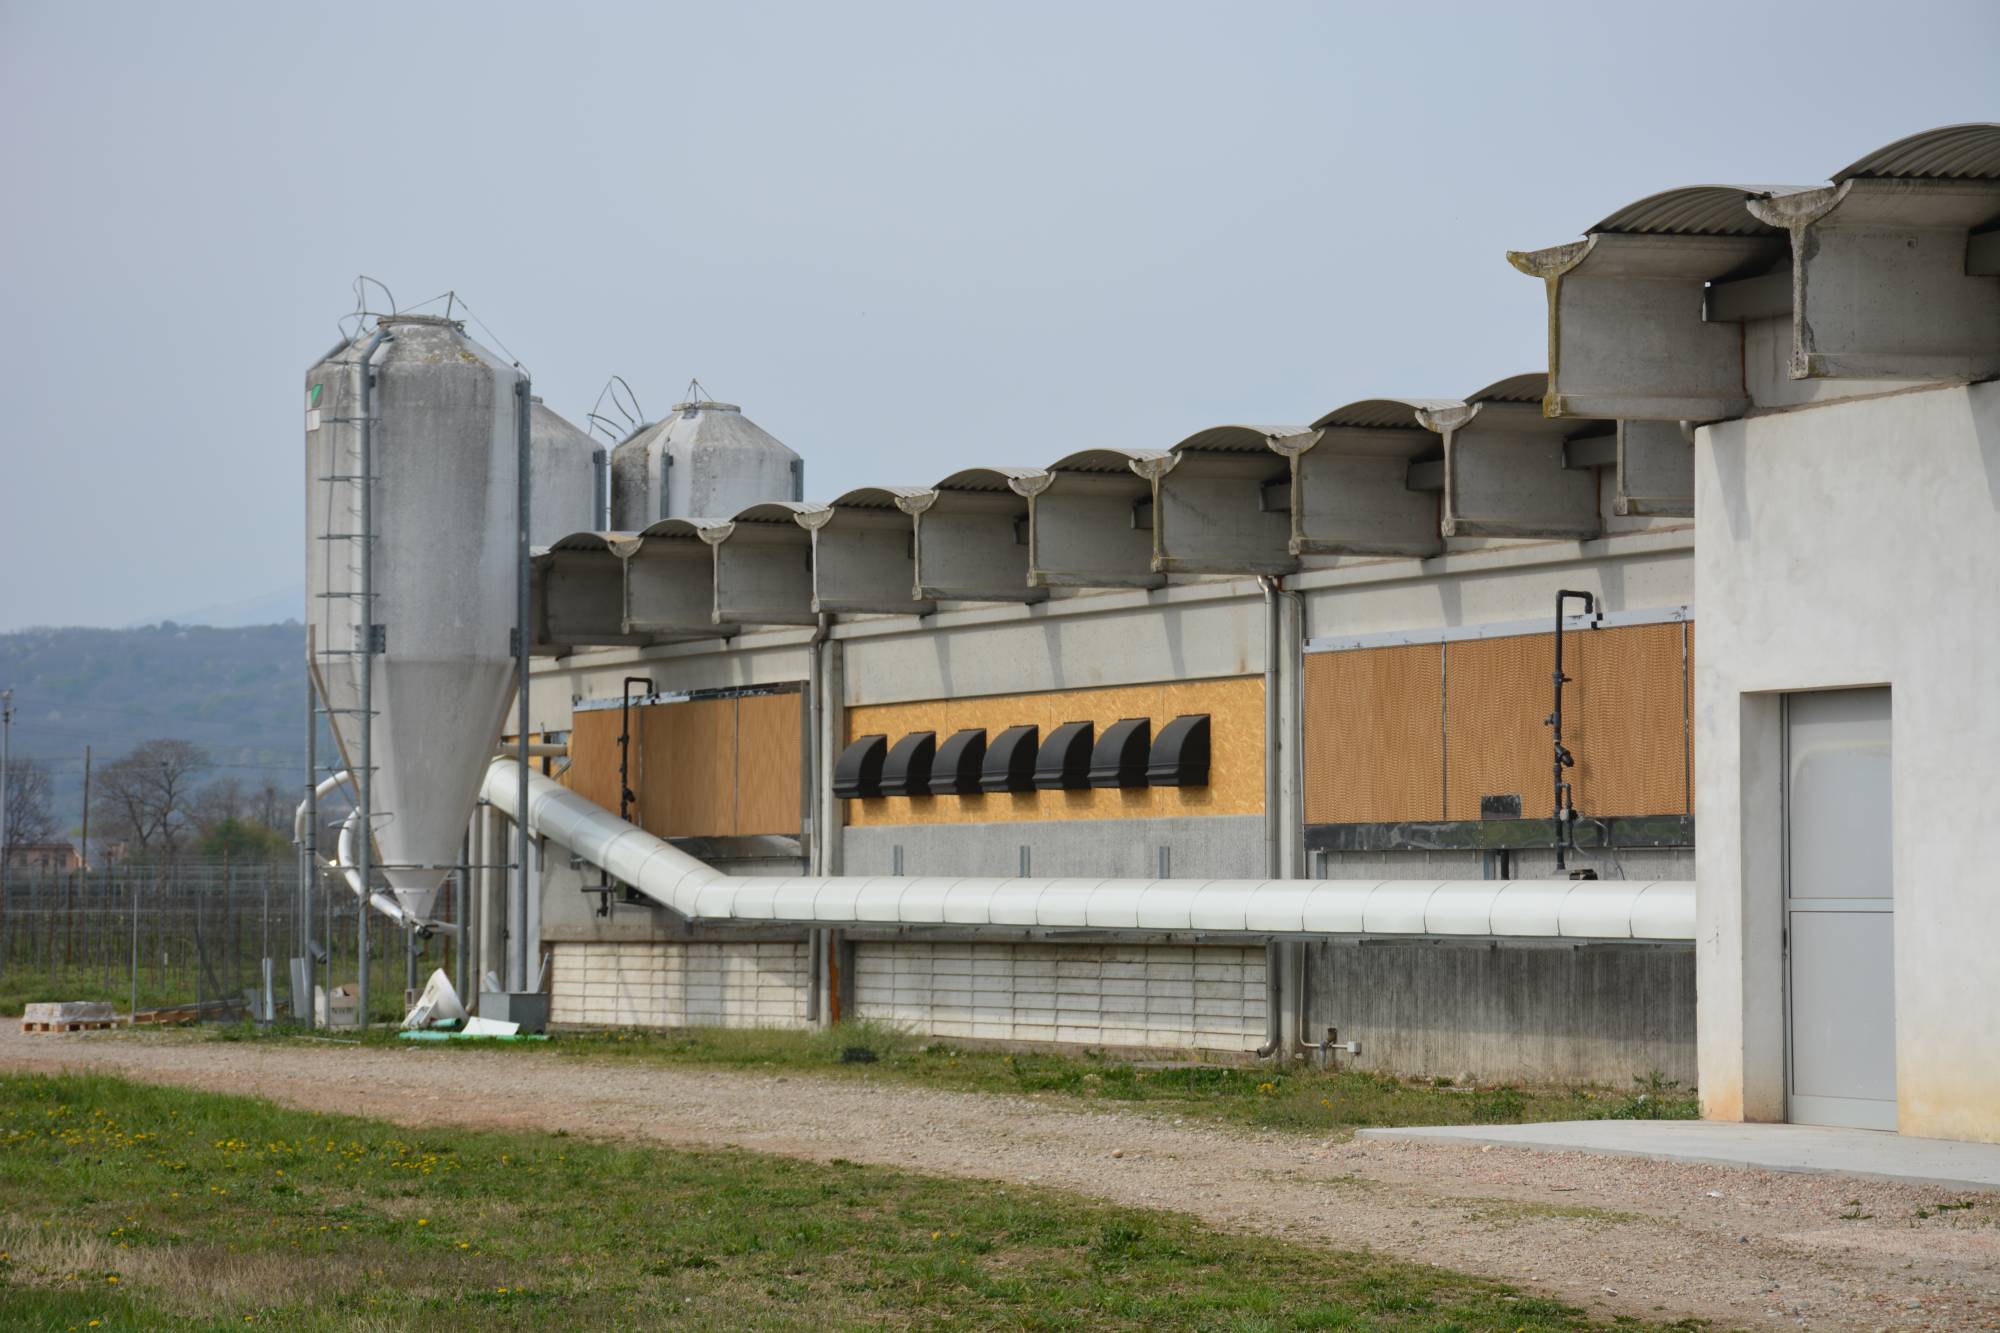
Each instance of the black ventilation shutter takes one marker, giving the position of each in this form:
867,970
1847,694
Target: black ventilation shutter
1180,753
1063,762
1010,760
858,771
1119,759
907,771
955,771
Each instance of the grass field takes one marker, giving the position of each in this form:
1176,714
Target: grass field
1298,1099
127,1206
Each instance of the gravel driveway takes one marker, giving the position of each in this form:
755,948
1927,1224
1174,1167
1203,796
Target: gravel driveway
1618,1235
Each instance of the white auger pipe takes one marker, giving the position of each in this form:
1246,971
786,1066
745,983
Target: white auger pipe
1492,908
344,861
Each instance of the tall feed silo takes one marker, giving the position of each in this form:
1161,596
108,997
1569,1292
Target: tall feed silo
563,467
442,509
704,460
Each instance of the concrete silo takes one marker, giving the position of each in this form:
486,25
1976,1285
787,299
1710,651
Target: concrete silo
417,635
566,469
704,460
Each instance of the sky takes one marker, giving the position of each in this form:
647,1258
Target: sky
906,238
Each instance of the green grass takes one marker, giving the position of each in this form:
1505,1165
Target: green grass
1297,1099
23,984
127,1206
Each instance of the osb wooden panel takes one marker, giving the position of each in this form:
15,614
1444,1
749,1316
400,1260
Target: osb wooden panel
691,791
1374,742
769,757
1497,691
1236,773
1625,720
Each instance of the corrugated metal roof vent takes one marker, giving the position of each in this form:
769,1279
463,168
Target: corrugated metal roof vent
1063,762
1119,758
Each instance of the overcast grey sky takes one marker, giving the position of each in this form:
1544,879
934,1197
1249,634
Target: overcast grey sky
904,237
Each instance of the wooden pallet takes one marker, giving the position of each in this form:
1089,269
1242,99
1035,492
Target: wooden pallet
74,1025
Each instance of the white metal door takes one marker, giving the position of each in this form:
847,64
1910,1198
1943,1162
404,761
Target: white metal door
1839,910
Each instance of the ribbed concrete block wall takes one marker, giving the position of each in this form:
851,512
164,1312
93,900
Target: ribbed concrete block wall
658,984
1204,997
1216,846
1528,1013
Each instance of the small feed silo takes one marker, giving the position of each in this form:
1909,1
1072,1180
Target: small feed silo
704,460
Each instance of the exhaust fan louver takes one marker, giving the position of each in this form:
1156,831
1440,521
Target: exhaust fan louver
907,771
1063,763
1180,753
1010,760
858,771
1121,754
956,769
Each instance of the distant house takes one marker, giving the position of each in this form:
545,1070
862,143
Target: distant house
45,858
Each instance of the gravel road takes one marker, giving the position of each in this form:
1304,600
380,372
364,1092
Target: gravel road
1660,1240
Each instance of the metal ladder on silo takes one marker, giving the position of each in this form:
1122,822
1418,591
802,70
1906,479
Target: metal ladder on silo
369,638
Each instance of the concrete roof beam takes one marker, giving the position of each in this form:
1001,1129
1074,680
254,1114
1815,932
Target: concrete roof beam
1090,520
1506,470
971,535
1881,284
764,565
1225,506
1352,488
577,598
1629,332
864,554
670,583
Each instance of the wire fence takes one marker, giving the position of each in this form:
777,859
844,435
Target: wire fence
196,934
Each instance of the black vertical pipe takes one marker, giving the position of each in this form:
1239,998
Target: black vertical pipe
1564,813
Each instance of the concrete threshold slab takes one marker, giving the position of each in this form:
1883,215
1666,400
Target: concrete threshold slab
1810,1149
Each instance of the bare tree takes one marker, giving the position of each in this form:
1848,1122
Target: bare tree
147,796
30,817
220,800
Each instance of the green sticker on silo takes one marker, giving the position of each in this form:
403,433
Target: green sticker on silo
312,398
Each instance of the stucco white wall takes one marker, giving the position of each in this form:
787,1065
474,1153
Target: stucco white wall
1849,544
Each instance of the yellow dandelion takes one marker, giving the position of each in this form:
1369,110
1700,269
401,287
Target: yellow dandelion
111,1278
423,1221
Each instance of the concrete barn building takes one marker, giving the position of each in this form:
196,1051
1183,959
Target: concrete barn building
1243,743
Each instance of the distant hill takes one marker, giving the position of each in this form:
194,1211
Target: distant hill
238,692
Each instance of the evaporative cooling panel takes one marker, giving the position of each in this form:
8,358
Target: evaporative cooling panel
1497,693
737,764
1418,732
1625,718
1374,726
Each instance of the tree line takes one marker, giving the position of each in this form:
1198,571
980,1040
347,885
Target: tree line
159,802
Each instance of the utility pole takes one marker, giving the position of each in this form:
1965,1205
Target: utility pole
6,743
84,851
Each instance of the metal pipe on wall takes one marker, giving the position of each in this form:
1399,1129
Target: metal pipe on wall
1274,997
517,956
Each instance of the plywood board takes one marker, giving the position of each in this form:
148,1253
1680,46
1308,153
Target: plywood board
1374,735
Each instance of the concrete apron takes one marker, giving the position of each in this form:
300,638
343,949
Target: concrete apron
1809,1149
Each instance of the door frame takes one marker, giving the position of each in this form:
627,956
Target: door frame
1837,1112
